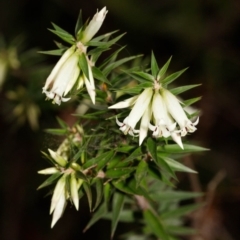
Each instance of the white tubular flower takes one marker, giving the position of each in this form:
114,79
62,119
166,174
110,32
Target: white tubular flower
94,25
58,200
140,110
58,209
63,77
165,127
177,112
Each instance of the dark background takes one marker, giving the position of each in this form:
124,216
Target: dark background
204,35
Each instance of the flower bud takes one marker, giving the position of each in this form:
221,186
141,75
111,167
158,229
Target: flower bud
94,25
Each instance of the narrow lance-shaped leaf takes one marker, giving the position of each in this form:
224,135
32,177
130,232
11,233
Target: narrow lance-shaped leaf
118,202
101,212
154,66
83,64
173,77
88,191
190,101
104,36
119,172
152,148
100,161
141,172
177,166
179,230
56,52
78,23
93,43
114,65
175,195
163,70
145,76
66,37
155,225
56,131
60,30
111,58
62,123
99,75
174,148
178,90
99,192
181,211
50,180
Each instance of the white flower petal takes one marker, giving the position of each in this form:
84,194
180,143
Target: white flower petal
139,108
59,209
73,74
177,138
144,124
90,89
58,192
74,190
125,103
174,107
57,67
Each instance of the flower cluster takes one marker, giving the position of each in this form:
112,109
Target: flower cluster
67,186
67,73
162,108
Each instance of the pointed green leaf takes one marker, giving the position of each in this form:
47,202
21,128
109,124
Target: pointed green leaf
177,166
56,52
181,211
107,44
179,230
107,193
104,36
134,155
79,23
152,149
141,172
182,89
101,212
99,192
99,75
50,180
88,191
66,37
172,77
154,66
163,70
60,30
56,131
122,186
83,64
100,160
191,101
175,195
81,175
119,172
174,148
62,123
145,76
117,205
116,64
154,223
